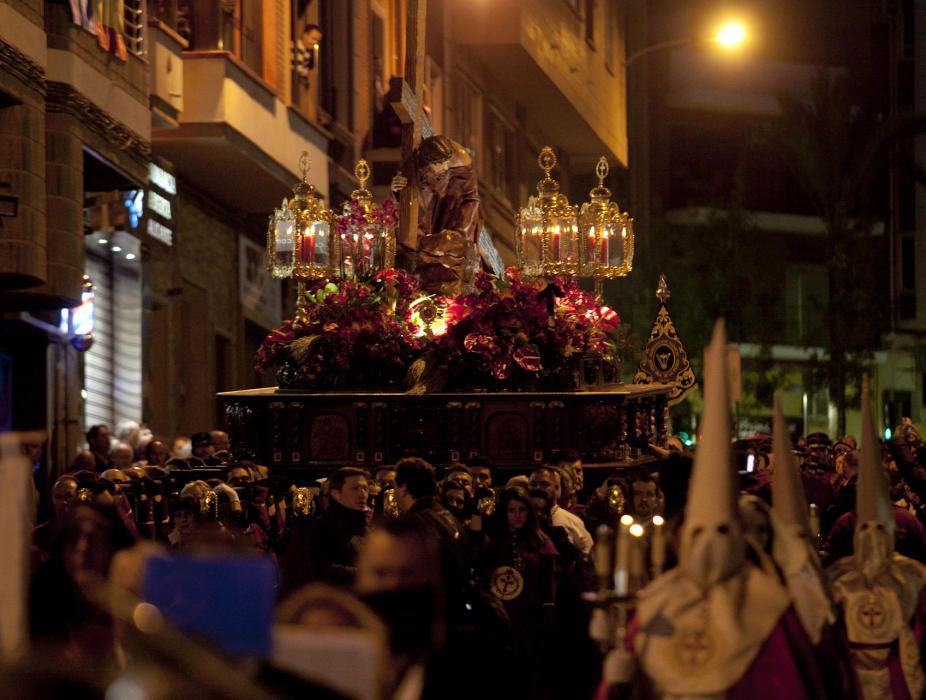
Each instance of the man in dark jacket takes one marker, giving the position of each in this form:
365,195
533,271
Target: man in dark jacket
325,549
416,491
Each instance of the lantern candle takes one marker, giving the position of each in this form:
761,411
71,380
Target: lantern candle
309,247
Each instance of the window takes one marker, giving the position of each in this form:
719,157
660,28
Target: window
174,14
590,22
434,94
906,301
610,31
379,80
467,105
241,31
501,156
806,298
336,61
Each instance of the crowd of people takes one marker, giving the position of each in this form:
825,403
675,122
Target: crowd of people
459,569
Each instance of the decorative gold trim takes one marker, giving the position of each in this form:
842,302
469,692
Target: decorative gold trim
664,359
63,98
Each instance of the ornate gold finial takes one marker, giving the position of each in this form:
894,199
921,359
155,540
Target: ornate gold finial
304,165
600,195
548,188
662,291
546,160
362,173
362,194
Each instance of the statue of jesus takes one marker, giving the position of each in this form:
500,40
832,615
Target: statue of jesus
450,215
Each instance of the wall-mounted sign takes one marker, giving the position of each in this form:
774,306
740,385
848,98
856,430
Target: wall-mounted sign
160,178
261,295
160,232
159,204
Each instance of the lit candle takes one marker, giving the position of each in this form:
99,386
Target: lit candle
604,546
555,245
603,255
814,521
622,557
657,553
310,247
591,245
637,552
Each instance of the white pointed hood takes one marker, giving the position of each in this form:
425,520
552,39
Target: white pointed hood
874,525
794,545
788,498
712,546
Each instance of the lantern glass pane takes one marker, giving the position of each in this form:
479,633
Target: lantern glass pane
565,241
284,244
530,234
612,247
322,248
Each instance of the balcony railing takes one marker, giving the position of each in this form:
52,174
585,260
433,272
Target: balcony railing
135,26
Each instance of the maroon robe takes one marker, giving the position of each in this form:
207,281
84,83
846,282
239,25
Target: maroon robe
787,666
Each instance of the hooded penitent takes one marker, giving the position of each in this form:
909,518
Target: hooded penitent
702,624
874,525
712,544
788,498
877,589
793,545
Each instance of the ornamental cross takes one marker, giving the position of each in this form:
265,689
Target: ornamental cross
415,124
871,615
695,648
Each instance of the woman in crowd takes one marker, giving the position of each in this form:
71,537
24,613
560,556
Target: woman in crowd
521,569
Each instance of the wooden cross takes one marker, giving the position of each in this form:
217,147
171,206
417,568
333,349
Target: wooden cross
415,124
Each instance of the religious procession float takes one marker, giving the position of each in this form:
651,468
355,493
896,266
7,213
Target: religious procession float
410,345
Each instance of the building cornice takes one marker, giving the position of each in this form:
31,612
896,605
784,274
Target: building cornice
62,97
14,62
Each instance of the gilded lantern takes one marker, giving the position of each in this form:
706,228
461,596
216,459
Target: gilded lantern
546,230
606,233
299,235
366,231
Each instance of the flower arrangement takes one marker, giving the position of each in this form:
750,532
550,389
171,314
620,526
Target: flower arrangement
513,334
349,334
378,330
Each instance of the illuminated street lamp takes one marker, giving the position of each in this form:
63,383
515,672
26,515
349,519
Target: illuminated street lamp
730,36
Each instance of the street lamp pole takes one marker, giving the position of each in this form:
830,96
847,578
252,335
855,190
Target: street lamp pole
660,46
